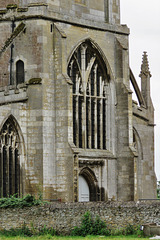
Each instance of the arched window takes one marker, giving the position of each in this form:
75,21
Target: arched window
90,83
19,72
9,160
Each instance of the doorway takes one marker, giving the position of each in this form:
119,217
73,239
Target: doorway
84,195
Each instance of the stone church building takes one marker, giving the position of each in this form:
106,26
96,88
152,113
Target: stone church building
69,127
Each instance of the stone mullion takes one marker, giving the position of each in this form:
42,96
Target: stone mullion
89,122
84,122
17,173
92,123
7,170
101,111
95,105
84,84
77,122
95,80
95,123
83,65
13,171
10,169
108,121
101,123
80,121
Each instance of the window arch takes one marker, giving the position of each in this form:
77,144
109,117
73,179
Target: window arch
90,94
19,72
9,160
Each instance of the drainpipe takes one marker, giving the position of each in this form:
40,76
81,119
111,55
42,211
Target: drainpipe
11,56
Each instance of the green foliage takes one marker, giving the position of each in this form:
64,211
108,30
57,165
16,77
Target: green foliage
90,226
128,231
95,226
25,231
47,231
13,201
35,81
11,6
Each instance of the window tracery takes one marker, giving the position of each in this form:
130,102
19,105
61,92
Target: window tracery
9,160
89,76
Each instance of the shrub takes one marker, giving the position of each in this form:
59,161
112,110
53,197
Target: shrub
14,201
128,230
132,230
90,226
25,231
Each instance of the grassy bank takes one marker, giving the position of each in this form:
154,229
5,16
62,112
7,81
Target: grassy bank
46,237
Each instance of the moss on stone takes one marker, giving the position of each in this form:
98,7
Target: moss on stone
3,11
35,81
11,6
22,9
17,30
37,4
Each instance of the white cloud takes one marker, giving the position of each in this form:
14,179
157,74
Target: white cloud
143,19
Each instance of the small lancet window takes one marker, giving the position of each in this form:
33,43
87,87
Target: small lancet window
19,72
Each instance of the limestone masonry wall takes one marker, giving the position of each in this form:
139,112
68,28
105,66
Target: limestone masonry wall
64,216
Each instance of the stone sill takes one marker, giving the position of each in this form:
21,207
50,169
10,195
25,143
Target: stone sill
11,99
95,154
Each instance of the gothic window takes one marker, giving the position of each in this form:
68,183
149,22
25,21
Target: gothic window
89,76
9,160
19,72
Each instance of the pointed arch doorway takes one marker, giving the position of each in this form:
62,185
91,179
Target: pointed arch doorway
84,195
88,186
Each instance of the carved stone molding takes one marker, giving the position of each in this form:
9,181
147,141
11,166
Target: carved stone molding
91,163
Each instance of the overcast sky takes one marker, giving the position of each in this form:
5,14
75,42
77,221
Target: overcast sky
143,19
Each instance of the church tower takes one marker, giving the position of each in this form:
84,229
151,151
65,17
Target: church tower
68,126
104,10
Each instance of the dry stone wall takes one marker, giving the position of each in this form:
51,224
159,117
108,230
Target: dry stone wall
64,216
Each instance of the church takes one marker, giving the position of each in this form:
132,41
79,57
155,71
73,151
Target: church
69,127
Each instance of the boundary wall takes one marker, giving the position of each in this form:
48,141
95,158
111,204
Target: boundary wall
64,216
